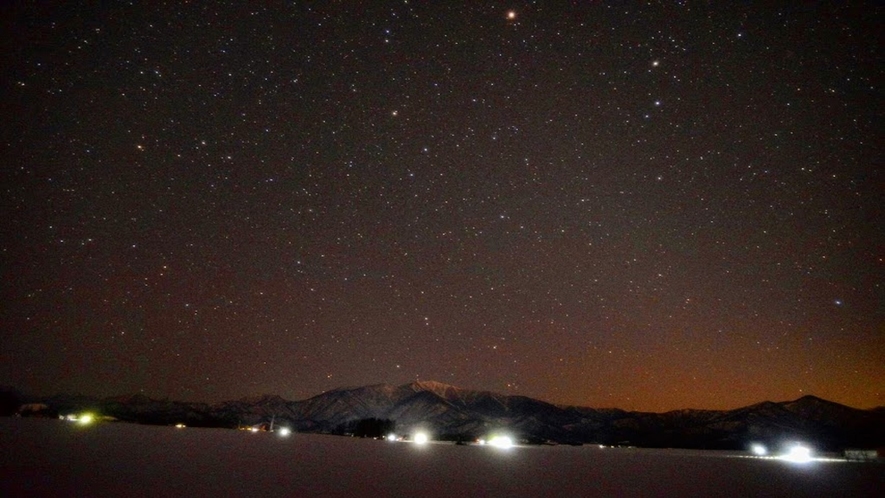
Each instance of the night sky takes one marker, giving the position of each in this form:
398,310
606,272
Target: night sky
610,205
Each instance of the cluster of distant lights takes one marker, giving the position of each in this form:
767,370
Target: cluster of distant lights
89,418
796,453
82,419
419,438
282,431
422,438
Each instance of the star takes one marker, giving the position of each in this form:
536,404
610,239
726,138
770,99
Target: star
536,187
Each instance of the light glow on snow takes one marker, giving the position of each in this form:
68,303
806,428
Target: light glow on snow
501,442
798,454
322,465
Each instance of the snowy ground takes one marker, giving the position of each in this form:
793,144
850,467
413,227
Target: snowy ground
56,458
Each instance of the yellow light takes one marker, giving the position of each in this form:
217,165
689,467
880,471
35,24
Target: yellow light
86,419
180,426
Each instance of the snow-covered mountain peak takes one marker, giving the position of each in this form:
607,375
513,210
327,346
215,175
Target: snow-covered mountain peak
438,388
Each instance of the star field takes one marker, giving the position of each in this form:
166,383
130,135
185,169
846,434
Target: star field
650,207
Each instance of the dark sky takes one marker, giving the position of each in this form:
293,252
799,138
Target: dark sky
649,207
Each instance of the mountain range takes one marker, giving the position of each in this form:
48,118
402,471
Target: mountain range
453,413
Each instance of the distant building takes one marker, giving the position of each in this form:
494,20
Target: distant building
863,455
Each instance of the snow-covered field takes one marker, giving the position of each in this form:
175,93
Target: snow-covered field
56,458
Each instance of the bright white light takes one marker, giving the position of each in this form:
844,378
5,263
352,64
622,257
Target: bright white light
758,449
420,438
797,454
501,442
253,429
481,442
284,431
391,437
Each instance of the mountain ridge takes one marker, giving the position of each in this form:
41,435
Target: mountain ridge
452,412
